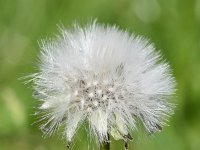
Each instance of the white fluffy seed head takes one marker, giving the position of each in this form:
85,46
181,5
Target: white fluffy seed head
104,76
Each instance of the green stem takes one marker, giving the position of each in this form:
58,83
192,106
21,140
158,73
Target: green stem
126,139
125,145
106,145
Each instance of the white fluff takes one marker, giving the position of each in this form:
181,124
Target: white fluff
104,76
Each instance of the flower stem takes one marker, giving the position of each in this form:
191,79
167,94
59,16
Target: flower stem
125,145
106,145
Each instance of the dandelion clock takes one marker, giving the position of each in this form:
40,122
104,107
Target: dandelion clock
105,77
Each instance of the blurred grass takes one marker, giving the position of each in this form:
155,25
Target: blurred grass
173,25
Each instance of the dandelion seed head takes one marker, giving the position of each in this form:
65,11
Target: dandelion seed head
104,76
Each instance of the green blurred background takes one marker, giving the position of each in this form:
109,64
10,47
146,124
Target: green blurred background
174,27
